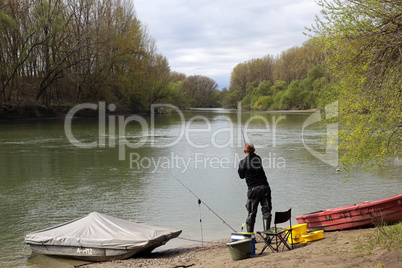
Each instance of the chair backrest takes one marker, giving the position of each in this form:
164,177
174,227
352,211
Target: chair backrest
284,216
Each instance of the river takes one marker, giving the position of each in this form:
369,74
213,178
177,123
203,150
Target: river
53,171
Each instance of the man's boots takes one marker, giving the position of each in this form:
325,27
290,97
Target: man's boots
250,228
266,223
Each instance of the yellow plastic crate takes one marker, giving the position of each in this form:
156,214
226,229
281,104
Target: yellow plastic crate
313,236
297,233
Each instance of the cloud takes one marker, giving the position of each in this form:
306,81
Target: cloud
211,37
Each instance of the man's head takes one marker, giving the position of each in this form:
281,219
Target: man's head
249,148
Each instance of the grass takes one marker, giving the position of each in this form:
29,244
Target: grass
388,237
385,237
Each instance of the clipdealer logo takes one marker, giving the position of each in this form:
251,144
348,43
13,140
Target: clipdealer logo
112,133
330,156
116,127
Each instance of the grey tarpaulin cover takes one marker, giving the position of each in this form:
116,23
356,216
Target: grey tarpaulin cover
102,231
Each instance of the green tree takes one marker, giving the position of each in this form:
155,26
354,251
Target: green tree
51,29
291,97
7,26
63,52
254,93
309,96
263,103
232,99
177,95
252,72
263,88
277,91
362,41
221,96
201,91
279,86
314,97
276,105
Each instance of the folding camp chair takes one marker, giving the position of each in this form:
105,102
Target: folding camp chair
276,236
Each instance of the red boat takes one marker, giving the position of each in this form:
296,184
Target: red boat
366,214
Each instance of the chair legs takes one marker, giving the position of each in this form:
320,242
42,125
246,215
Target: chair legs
267,240
284,240
277,238
276,235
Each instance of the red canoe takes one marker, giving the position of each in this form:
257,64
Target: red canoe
366,214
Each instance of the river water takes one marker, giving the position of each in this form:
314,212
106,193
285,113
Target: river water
53,171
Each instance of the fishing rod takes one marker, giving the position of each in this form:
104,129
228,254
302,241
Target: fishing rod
239,120
202,202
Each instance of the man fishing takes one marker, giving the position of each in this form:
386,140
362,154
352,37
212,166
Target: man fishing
259,191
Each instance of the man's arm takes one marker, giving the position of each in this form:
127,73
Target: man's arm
241,170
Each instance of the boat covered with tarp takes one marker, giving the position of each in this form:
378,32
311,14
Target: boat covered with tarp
99,237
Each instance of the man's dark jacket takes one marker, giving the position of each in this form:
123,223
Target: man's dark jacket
251,169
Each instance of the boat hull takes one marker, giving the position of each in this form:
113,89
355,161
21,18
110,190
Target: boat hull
83,253
388,210
96,254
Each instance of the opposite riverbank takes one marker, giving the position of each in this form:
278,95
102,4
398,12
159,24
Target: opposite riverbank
372,247
13,112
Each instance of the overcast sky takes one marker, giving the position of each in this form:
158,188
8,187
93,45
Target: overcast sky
210,37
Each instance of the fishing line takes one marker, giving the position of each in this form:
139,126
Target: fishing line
200,201
188,239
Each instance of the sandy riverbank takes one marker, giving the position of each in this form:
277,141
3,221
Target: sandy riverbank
337,249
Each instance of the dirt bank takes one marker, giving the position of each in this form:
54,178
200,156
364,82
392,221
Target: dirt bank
352,248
